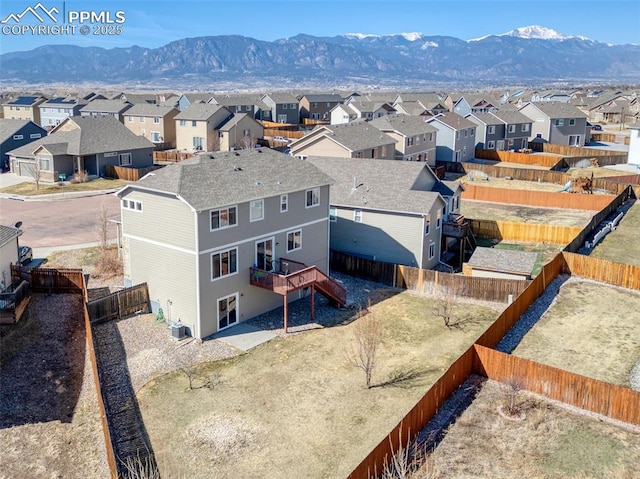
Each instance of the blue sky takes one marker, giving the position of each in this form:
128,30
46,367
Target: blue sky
153,23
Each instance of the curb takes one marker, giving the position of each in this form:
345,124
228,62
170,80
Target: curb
58,196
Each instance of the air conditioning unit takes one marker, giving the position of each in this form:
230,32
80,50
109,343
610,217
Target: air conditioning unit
177,330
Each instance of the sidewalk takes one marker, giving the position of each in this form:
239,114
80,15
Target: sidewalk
11,179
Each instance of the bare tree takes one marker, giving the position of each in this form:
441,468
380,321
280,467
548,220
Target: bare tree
103,227
36,173
247,142
367,335
510,392
444,303
213,141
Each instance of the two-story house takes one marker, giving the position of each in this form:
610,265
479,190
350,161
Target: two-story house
415,139
114,108
357,109
54,110
558,123
196,127
351,140
237,104
501,130
456,138
423,104
23,108
14,134
154,122
318,106
218,236
187,99
285,107
385,210
239,132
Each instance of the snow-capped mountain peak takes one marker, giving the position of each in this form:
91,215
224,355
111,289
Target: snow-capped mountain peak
410,37
536,32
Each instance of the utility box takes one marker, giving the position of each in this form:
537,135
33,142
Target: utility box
177,331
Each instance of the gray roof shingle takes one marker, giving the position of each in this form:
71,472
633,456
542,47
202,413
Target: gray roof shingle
149,109
509,261
226,178
9,126
558,110
198,112
453,120
108,106
404,124
381,184
356,135
7,233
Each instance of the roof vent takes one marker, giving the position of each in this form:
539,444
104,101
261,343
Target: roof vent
237,168
237,154
258,183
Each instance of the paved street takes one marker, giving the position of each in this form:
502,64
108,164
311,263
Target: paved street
59,222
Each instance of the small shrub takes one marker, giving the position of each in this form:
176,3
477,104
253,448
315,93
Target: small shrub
108,263
80,177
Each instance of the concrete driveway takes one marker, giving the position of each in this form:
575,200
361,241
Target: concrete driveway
60,222
10,179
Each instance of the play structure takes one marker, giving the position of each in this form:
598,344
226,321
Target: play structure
582,184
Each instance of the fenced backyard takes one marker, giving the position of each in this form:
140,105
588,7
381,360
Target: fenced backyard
132,300
128,174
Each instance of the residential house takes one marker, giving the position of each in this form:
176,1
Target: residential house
468,104
357,109
145,98
634,145
81,144
501,263
8,254
188,99
351,140
14,134
54,110
114,108
456,138
415,139
423,104
23,108
213,235
239,132
154,122
285,107
196,127
501,130
558,123
608,108
237,104
385,211
318,106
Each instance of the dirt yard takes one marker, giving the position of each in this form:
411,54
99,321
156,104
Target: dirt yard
622,245
590,329
483,210
49,418
552,442
295,407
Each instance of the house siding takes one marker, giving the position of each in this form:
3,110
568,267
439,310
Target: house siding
8,255
186,133
11,144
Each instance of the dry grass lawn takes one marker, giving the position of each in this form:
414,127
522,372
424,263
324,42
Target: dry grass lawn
622,245
28,188
511,184
591,329
295,407
551,443
484,210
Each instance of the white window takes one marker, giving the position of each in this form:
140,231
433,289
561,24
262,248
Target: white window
183,122
292,106
357,216
285,106
512,128
227,311
491,129
430,136
558,122
294,240
458,155
491,145
35,136
312,197
132,205
432,250
141,119
18,137
457,135
284,203
256,210
224,218
156,119
465,133
572,122
194,123
525,127
130,119
333,215
155,136
125,159
410,141
224,263
45,164
198,141
427,224
439,218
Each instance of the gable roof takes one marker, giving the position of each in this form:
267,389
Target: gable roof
324,98
7,233
25,100
109,106
63,101
237,100
486,118
557,110
234,120
385,185
10,126
453,121
89,135
404,124
198,112
511,117
226,178
354,136
508,261
281,97
149,109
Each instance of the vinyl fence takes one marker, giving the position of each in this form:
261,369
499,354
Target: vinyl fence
119,304
543,199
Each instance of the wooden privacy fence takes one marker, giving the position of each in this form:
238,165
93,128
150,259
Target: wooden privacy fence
119,304
128,174
574,151
363,268
486,289
283,132
543,199
520,158
171,155
616,402
525,232
616,274
50,280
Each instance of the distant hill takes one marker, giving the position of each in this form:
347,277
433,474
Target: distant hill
529,54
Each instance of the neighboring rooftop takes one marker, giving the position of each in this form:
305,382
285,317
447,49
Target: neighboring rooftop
558,110
503,260
404,124
198,112
8,126
7,233
148,109
453,120
108,106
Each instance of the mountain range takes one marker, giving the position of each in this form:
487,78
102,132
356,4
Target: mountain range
530,54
